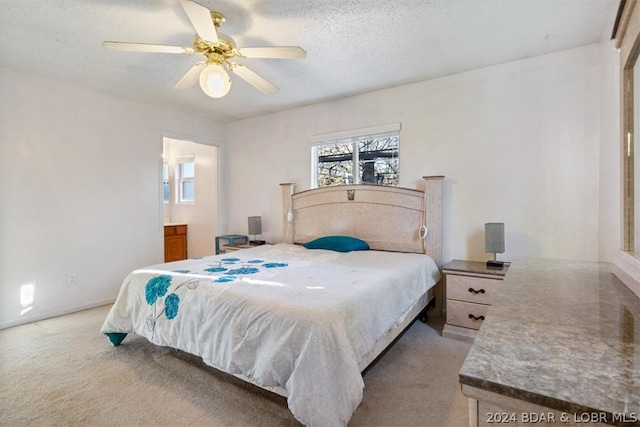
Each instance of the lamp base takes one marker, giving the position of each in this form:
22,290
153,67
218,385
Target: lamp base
257,242
495,264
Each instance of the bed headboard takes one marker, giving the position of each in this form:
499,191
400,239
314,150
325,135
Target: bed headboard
388,218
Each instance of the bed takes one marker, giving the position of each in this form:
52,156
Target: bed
303,323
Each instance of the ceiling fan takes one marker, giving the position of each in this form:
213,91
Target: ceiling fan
219,50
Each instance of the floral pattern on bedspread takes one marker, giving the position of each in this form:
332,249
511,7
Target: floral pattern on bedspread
157,287
246,268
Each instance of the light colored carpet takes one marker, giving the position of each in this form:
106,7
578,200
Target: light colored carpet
63,372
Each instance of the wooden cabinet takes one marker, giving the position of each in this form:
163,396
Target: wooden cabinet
471,287
175,242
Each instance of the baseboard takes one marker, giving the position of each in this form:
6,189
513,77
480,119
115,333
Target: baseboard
54,313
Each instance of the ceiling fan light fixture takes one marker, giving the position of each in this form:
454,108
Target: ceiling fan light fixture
215,81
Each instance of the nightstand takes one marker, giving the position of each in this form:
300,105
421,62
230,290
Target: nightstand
471,287
231,240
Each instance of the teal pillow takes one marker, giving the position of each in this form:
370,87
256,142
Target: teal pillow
338,244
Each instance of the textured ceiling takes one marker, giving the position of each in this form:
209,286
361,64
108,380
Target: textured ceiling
353,46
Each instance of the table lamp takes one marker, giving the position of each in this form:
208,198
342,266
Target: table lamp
255,228
494,242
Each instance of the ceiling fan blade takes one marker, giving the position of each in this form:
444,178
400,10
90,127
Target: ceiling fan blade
253,79
145,47
191,77
200,17
283,52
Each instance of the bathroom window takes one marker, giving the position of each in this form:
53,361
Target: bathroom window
165,182
186,179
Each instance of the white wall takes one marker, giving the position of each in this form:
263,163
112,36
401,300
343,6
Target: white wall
202,216
80,175
517,142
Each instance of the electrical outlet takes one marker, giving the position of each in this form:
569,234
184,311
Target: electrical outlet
72,279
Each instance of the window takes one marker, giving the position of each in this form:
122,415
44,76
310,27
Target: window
185,179
365,156
628,41
626,264
165,182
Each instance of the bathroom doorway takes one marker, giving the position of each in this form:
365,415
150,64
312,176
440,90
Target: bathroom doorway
191,192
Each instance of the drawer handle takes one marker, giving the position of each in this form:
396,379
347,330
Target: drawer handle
471,316
481,291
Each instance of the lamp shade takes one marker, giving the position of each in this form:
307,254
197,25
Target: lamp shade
494,237
215,81
255,225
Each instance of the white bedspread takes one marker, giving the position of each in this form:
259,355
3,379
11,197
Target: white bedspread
281,315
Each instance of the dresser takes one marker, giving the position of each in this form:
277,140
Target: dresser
175,242
561,347
470,290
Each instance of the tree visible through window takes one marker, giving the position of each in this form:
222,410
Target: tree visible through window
359,160
335,164
378,159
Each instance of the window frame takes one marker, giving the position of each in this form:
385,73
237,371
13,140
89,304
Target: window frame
626,264
181,180
352,137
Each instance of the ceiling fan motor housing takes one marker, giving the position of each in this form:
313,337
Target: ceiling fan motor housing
216,52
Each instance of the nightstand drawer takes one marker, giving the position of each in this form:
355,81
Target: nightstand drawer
472,289
466,314
229,248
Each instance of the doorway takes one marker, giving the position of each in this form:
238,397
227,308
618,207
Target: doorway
191,192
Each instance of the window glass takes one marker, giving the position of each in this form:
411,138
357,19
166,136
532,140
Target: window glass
335,164
379,160
188,191
165,182
185,180
165,191
632,149
187,170
165,171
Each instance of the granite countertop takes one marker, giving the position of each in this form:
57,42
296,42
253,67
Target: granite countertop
172,224
561,334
